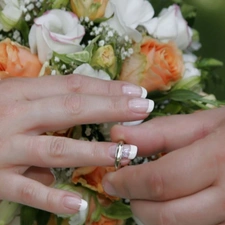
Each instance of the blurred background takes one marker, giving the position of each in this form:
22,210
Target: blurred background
210,22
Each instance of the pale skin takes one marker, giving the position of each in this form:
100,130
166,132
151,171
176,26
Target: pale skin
187,185
30,107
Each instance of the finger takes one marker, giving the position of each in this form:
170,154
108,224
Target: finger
30,192
169,133
61,112
42,175
203,208
177,174
46,86
49,151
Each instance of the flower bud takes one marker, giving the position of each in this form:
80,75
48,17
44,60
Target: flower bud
104,58
93,9
9,15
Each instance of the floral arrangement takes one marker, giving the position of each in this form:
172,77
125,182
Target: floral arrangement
107,39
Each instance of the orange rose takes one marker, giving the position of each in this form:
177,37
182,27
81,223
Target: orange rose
91,177
17,61
93,9
156,66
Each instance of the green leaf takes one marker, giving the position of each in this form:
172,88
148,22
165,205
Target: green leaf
172,108
28,215
188,11
117,210
42,217
183,95
95,216
82,57
91,46
187,83
208,63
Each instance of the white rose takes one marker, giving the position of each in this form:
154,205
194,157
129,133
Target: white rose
87,70
171,26
55,31
10,14
128,14
189,63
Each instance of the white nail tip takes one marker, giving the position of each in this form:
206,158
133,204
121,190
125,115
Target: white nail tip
144,93
133,152
132,123
150,106
83,205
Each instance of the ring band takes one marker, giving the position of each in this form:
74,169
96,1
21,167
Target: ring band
118,155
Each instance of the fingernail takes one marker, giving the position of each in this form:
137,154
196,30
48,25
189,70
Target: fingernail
134,90
75,203
132,123
108,188
128,151
140,105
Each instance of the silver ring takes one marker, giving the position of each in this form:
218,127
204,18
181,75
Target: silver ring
118,155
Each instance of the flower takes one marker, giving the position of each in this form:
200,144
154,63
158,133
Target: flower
55,31
91,177
170,26
105,58
10,14
17,61
93,9
156,67
109,40
86,69
126,21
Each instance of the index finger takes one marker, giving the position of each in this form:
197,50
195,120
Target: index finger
165,134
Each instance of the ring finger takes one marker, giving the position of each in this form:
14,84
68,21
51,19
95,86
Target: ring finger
50,151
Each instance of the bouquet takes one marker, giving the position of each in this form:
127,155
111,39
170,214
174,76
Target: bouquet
112,40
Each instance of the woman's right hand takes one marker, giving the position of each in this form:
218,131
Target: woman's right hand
30,107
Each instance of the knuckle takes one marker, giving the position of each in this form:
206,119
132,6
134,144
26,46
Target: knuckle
74,83
51,201
34,147
118,105
57,148
72,104
110,88
155,182
28,193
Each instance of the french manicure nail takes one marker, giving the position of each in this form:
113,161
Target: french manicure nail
132,123
140,105
128,151
134,90
75,203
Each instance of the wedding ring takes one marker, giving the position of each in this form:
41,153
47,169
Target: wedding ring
118,155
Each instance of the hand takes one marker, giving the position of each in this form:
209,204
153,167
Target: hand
185,186
30,107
